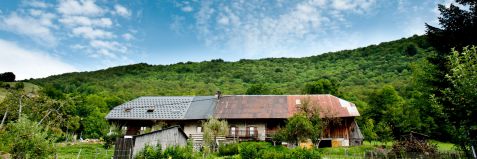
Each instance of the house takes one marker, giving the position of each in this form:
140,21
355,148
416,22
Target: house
171,136
250,117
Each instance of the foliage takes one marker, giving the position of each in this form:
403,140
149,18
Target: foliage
150,152
178,152
457,30
301,153
249,150
27,139
258,89
297,128
229,149
462,93
155,152
212,129
88,150
114,133
322,86
7,77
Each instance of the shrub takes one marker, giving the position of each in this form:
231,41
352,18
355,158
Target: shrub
150,152
228,150
27,139
178,152
300,153
275,153
252,149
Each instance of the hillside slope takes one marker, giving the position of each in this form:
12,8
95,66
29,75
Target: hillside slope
357,72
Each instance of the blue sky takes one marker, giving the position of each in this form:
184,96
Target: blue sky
42,38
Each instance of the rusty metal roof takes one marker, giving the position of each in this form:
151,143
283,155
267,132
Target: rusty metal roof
280,106
329,105
251,106
228,107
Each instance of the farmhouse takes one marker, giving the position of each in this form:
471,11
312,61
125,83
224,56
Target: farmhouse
250,117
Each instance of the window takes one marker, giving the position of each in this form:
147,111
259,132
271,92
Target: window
127,109
150,110
199,129
251,131
232,131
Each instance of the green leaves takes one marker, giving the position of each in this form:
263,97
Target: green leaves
26,139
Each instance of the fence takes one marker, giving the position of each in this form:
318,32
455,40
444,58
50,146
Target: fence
384,155
123,148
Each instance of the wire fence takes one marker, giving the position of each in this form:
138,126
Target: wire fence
384,155
86,154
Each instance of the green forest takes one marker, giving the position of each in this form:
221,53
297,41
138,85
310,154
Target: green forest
424,83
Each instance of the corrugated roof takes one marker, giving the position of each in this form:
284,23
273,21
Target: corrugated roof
229,107
201,107
163,108
252,106
329,105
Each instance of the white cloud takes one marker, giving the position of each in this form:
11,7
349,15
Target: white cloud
127,36
107,48
91,33
79,7
36,4
86,21
356,5
187,9
122,11
39,29
29,64
257,28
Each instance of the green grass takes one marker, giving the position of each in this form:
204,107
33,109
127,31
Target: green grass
88,150
443,146
29,87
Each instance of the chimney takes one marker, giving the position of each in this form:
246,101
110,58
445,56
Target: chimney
218,94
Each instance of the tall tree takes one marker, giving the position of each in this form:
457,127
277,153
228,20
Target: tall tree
214,128
322,86
7,77
463,95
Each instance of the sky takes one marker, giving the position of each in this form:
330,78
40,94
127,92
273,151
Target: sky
42,38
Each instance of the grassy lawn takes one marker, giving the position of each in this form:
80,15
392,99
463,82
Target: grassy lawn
443,146
358,151
88,151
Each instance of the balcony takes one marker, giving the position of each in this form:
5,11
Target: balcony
244,134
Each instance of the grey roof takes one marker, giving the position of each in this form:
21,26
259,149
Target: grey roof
164,108
201,107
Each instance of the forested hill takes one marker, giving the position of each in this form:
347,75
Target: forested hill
354,72
383,80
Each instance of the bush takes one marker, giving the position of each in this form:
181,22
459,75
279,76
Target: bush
150,152
228,150
26,139
252,149
275,153
178,152
155,152
300,153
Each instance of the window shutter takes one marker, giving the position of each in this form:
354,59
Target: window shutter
247,132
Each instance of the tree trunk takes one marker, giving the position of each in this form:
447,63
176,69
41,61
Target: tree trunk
4,117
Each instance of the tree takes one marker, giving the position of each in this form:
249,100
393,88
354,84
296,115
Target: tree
462,93
298,128
212,129
257,89
459,28
26,139
387,107
322,86
7,77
